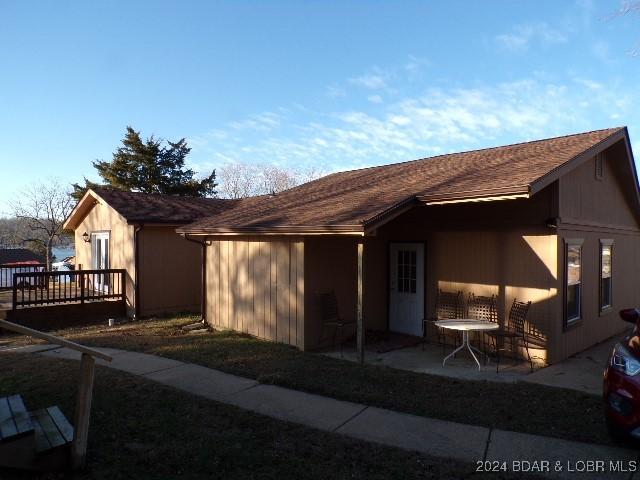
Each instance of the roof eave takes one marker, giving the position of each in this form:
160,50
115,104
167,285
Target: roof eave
277,230
485,195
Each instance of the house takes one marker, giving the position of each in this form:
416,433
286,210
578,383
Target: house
19,256
553,221
136,232
14,260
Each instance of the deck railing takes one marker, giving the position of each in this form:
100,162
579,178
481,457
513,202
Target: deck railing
7,271
72,286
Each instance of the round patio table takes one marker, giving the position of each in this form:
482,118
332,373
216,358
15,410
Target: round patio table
466,325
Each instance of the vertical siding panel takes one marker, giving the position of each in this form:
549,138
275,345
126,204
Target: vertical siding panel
258,289
233,286
299,246
291,294
224,284
211,285
265,257
283,292
213,276
272,324
251,251
217,267
227,284
243,285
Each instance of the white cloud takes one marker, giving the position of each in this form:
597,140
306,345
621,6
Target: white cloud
521,36
335,91
375,98
370,81
435,121
262,121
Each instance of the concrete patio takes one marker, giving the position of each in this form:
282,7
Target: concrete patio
582,372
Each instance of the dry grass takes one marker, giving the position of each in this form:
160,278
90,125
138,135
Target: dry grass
518,407
143,430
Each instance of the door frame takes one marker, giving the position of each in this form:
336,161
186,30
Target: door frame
388,276
101,234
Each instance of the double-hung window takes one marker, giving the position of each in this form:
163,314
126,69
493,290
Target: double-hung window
573,281
606,257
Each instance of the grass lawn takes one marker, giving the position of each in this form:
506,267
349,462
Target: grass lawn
518,407
143,430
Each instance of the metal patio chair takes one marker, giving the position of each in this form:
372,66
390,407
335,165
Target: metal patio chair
448,305
480,307
331,319
514,330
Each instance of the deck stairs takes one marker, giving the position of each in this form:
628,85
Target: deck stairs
38,440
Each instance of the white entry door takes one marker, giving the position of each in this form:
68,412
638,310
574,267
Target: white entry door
100,259
406,297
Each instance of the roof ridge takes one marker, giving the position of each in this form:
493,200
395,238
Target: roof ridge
154,194
613,130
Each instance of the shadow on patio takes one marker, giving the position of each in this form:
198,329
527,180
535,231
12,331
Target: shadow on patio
581,372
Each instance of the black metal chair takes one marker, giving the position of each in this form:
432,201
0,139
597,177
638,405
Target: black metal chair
331,319
448,305
514,330
485,308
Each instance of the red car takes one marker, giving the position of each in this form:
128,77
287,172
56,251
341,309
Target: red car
622,382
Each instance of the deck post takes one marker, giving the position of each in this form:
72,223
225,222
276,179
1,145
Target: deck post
83,411
123,291
15,292
360,321
82,277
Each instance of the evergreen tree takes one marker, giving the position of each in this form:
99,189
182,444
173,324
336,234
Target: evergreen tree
149,166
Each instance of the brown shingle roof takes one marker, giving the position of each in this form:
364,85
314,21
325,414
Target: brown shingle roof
138,207
348,200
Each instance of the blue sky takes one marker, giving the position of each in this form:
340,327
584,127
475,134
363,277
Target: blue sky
332,84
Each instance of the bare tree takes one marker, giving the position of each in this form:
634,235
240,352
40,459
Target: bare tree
43,208
236,180
627,7
240,180
275,180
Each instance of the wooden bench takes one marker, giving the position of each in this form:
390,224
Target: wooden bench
38,440
15,421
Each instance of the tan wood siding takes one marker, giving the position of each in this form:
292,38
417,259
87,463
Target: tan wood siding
170,278
607,201
592,209
257,287
121,250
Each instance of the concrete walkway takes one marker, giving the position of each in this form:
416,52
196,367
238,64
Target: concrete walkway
457,441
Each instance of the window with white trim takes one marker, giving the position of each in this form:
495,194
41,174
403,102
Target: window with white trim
573,280
606,259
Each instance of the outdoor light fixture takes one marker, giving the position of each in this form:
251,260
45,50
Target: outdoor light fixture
85,237
552,222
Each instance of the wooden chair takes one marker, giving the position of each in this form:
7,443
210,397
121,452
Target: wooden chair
514,330
331,319
448,305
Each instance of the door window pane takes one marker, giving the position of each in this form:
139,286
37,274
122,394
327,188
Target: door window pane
407,272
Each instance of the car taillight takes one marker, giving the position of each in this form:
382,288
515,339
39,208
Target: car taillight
623,361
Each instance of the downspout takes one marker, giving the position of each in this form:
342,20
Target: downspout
203,276
136,261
